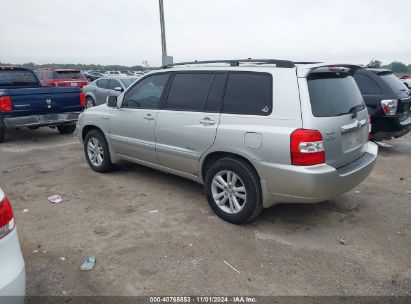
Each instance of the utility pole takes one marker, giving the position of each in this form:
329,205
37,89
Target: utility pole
165,59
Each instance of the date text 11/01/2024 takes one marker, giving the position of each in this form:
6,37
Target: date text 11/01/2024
203,299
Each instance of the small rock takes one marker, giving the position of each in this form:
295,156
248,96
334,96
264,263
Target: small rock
25,210
153,211
357,192
191,244
62,258
44,251
343,241
35,251
401,178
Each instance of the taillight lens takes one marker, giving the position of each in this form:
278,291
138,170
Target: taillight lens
6,217
82,99
389,106
54,83
5,104
307,148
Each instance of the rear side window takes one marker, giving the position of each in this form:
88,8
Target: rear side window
103,83
248,93
333,94
393,82
367,85
215,96
189,91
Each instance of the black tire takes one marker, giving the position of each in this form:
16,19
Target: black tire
106,164
252,205
90,102
2,135
66,129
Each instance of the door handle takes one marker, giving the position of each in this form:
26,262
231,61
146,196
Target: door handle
207,121
148,117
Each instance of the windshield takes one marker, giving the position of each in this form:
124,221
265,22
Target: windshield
17,77
128,81
394,82
67,75
334,94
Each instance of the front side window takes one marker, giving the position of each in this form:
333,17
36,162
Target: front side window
103,83
146,93
189,91
249,94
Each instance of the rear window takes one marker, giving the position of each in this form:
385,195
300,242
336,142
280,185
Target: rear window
367,85
67,74
249,94
17,77
393,82
333,94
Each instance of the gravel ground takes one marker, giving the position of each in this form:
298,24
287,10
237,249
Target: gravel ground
153,233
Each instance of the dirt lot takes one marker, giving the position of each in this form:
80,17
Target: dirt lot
289,249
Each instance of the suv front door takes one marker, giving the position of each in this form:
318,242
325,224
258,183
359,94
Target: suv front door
187,123
132,125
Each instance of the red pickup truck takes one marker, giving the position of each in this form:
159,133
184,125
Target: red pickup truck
61,78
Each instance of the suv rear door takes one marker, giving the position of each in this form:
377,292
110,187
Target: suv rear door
332,104
187,123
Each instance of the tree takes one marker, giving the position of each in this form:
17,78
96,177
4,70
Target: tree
375,64
398,67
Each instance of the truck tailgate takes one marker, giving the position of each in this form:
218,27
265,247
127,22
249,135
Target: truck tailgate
44,100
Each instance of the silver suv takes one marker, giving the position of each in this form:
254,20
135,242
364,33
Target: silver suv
254,132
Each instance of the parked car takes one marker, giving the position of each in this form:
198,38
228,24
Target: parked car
12,274
92,75
97,91
25,103
388,102
254,132
407,81
61,78
114,73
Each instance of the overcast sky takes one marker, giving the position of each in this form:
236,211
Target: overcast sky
127,31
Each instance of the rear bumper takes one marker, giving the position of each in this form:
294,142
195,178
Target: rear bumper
312,184
41,120
388,127
12,274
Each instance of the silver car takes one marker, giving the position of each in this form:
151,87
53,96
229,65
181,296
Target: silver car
254,132
12,270
97,91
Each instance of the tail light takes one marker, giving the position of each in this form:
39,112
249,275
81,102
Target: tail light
307,148
6,217
389,106
54,83
82,99
5,104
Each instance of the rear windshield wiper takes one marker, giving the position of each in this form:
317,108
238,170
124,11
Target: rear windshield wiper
353,110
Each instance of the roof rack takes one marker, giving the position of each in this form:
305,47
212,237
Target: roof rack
236,62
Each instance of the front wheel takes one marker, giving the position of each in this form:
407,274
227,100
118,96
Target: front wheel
66,129
233,190
97,152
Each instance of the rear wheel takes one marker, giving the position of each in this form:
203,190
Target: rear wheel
90,102
97,152
233,190
2,135
66,129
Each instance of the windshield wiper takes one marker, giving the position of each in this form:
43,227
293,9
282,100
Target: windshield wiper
355,109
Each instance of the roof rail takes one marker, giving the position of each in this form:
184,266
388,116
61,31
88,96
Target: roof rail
236,62
306,62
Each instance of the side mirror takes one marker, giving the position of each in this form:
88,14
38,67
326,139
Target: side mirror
118,89
111,101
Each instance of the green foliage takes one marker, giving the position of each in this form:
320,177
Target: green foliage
375,64
79,66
